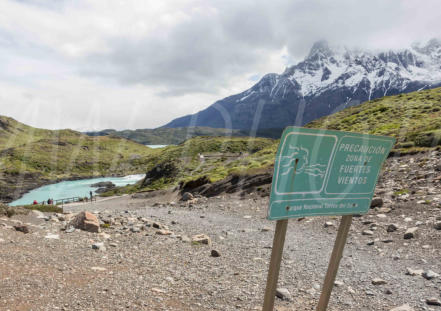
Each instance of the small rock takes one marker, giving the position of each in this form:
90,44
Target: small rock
61,217
99,246
201,238
283,294
329,224
164,232
370,293
104,235
266,229
437,225
98,269
377,202
385,210
387,291
367,232
414,272
429,274
215,253
378,281
338,283
51,236
69,229
187,196
22,228
392,228
433,301
157,225
410,233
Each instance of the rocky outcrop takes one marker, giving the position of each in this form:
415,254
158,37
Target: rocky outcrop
236,183
193,184
167,170
14,185
103,184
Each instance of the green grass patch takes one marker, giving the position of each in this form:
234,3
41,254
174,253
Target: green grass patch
401,192
44,208
414,119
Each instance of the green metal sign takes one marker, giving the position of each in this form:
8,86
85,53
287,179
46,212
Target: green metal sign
319,172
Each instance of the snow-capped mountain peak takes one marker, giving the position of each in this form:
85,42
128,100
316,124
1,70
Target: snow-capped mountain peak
329,79
325,68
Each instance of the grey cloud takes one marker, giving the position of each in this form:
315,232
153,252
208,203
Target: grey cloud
201,54
81,52
198,56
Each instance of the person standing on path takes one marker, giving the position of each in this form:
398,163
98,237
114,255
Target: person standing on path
91,196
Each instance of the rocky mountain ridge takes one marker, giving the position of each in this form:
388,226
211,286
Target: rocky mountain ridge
328,80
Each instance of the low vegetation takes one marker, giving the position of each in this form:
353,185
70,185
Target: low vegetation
214,157
44,208
413,118
65,153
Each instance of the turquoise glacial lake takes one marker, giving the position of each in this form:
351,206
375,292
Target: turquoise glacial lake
70,189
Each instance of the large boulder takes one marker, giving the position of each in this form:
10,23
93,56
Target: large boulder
85,221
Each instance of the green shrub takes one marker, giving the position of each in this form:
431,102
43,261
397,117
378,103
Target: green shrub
44,208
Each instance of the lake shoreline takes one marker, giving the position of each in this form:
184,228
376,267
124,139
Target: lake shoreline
38,183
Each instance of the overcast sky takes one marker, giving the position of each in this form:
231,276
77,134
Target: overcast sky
138,64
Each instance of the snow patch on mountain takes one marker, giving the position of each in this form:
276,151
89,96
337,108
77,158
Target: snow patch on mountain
327,68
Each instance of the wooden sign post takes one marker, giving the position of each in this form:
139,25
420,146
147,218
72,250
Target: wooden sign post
334,262
335,173
274,268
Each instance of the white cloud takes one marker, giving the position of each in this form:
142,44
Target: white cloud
138,64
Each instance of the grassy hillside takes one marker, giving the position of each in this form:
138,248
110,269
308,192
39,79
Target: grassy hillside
30,157
221,157
413,118
174,136
65,153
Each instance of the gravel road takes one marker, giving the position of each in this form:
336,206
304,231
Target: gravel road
147,271
145,259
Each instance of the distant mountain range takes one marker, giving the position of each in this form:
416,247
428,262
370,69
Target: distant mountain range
328,80
174,136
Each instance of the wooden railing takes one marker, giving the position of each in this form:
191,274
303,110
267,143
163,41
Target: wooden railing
74,199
